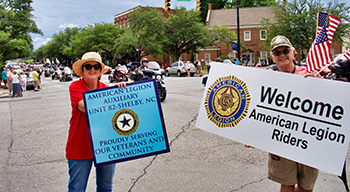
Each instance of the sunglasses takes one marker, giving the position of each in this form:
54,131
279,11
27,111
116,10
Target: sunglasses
89,66
278,53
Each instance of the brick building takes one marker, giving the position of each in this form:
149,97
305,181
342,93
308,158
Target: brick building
252,33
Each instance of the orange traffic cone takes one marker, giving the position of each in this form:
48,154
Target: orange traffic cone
201,72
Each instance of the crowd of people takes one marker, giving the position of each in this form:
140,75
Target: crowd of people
16,82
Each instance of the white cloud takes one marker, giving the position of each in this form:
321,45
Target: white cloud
39,41
70,25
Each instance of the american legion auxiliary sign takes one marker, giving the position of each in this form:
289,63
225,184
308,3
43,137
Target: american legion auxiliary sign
125,124
303,119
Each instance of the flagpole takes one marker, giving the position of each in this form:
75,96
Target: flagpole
318,17
326,66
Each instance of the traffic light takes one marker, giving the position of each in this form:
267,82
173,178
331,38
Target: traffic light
199,5
167,5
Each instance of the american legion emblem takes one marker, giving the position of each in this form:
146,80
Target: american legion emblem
227,101
125,122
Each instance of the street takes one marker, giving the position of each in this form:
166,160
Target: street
34,131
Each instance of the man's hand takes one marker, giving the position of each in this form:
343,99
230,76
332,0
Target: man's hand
310,75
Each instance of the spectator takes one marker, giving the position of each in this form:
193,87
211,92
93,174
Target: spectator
292,176
78,148
9,79
36,80
16,85
4,77
23,79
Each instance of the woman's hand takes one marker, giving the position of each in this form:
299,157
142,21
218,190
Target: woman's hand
121,85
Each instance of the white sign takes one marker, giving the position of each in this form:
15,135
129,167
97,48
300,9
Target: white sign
303,119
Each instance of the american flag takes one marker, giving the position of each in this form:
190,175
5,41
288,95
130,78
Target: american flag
347,54
330,22
319,54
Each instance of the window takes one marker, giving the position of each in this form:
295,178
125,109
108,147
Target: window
196,57
332,52
246,35
207,57
263,35
263,55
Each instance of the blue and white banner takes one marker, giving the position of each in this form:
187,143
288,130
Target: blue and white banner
303,119
125,124
234,46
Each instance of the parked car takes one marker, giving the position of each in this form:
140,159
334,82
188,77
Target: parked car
178,68
30,81
16,67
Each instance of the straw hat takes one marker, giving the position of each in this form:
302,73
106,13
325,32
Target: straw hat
89,56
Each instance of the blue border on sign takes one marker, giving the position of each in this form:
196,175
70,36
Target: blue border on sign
163,129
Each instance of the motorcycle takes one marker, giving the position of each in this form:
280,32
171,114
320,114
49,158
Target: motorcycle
56,75
120,74
47,72
339,71
153,71
67,77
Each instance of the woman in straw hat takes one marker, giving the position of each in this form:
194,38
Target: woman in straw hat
78,149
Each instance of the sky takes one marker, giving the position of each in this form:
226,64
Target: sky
52,16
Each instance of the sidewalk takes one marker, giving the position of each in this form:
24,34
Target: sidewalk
4,93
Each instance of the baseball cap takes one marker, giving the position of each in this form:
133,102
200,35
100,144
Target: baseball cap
280,41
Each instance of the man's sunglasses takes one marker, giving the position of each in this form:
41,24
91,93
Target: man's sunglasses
278,53
89,66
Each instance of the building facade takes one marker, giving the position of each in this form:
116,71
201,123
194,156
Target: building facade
252,33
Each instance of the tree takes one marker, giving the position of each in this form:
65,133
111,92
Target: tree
15,25
184,33
58,47
129,43
297,20
144,35
98,37
179,33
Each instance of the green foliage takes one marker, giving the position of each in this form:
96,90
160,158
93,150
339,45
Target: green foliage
15,25
29,61
142,37
297,20
184,33
57,47
98,37
222,34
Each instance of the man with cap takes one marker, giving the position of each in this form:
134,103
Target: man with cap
78,148
140,70
292,176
